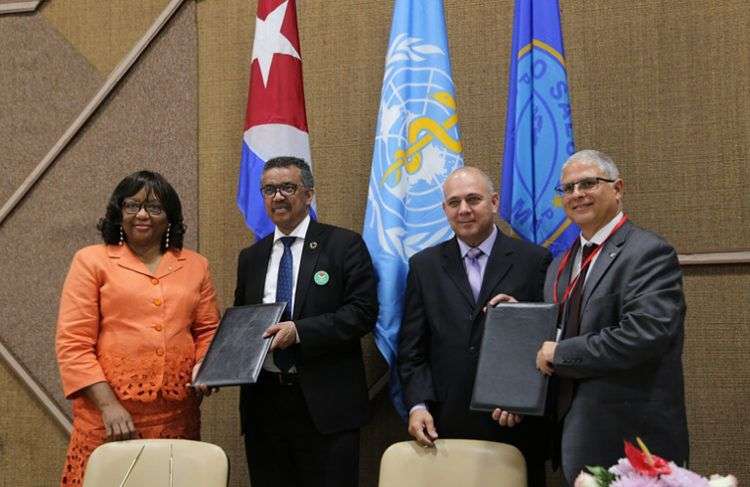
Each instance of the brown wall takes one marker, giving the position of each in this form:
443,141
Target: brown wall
662,86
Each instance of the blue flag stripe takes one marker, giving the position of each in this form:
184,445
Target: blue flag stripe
539,129
249,197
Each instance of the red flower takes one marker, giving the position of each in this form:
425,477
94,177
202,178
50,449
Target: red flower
644,462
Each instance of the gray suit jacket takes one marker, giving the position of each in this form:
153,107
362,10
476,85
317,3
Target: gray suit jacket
627,360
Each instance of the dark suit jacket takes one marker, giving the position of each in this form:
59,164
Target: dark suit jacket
627,360
330,320
442,330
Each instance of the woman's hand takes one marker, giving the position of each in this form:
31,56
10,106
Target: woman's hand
118,423
201,389
117,420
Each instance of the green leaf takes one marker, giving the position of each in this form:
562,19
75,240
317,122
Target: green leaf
602,475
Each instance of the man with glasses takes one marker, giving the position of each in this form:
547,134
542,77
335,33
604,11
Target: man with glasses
618,362
301,420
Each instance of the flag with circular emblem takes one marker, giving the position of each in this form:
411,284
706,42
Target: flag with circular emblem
538,129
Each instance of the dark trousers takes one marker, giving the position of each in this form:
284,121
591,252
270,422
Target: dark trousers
284,449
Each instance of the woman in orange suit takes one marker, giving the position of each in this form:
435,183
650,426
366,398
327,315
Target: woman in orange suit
136,317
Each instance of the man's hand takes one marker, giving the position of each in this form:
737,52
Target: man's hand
545,356
118,423
422,427
506,419
500,298
284,335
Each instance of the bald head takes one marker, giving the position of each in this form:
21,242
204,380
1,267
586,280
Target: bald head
469,172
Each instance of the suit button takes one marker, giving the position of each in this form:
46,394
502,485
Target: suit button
472,349
158,327
159,351
157,302
469,316
154,281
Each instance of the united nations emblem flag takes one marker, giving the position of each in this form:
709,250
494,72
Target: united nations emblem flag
417,145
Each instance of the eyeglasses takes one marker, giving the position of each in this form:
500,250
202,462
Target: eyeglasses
133,207
585,184
286,189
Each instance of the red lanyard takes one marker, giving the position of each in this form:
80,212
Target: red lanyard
584,264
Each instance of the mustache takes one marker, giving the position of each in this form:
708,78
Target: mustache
281,206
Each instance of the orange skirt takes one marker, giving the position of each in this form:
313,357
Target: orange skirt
161,418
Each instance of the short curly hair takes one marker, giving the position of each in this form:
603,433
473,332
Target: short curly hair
110,225
287,161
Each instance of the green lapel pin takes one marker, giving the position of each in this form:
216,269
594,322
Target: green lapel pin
321,278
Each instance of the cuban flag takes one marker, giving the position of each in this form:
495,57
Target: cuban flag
275,122
539,128
417,145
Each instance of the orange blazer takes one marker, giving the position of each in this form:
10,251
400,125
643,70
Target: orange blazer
141,332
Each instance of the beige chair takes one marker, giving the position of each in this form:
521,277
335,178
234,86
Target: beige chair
157,463
452,463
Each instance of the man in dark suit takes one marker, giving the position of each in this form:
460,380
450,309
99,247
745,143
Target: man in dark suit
619,360
301,420
447,289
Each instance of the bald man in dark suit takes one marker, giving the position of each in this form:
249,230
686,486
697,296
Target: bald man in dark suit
447,289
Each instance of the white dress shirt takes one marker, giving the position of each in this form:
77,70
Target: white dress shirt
269,289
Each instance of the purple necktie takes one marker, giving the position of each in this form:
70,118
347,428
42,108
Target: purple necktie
474,270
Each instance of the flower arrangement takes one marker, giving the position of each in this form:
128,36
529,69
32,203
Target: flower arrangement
641,468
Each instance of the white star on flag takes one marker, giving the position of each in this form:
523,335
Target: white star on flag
269,40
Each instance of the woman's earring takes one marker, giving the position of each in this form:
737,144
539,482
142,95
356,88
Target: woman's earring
166,243
122,237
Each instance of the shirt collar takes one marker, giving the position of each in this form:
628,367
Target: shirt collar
601,235
485,247
299,231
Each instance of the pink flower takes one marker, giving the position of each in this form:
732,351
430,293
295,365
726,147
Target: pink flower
641,468
623,467
636,480
681,477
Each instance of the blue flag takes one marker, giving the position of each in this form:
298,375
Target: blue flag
417,144
538,129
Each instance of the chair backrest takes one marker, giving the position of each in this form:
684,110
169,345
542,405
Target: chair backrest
157,463
462,463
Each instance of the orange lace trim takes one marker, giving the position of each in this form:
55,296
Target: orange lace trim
84,442
142,378
79,449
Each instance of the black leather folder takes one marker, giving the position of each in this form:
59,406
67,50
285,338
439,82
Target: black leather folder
238,349
506,375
